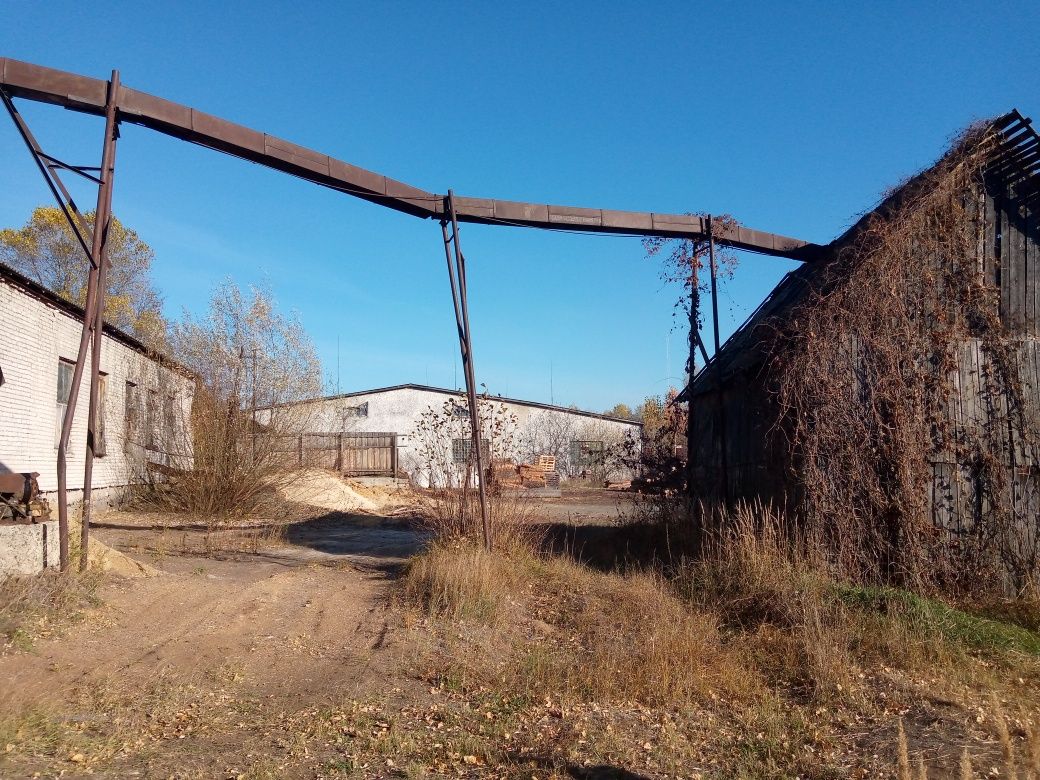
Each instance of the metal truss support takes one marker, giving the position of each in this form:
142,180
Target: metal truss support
457,278
96,321
92,241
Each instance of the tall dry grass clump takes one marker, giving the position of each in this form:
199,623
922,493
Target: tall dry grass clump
460,580
559,629
627,638
778,598
452,515
456,578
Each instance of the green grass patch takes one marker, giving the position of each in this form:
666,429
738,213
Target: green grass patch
937,618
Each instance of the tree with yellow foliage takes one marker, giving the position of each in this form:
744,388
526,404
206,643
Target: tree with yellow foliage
46,250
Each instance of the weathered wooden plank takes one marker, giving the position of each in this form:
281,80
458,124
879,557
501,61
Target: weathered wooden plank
1003,263
1032,260
1020,262
992,250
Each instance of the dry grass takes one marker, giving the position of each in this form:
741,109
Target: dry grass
771,641
35,607
564,631
750,662
453,515
460,581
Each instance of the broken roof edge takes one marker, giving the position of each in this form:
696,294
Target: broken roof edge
33,289
1018,146
458,393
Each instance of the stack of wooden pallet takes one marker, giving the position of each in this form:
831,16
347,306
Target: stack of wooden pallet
547,463
532,476
505,473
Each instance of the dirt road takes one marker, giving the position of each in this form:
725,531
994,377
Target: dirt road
169,676
253,654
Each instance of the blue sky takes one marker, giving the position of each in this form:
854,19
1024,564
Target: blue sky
793,117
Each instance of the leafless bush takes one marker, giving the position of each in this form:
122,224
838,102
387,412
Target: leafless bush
443,440
251,364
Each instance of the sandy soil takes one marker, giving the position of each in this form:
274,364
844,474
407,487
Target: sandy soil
282,628
212,665
325,490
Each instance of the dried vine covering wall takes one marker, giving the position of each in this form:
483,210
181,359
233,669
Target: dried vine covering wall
907,394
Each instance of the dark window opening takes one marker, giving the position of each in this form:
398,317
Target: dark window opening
461,449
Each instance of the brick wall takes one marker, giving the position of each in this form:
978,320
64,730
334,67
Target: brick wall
35,335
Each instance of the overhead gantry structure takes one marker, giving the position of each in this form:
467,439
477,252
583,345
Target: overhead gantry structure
119,104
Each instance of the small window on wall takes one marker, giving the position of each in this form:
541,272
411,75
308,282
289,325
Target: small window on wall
65,369
100,439
461,449
169,422
132,412
150,413
361,410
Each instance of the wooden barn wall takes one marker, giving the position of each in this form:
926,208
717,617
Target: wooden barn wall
1009,256
752,468
1009,261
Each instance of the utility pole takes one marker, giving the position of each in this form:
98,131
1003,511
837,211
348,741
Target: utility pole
695,305
720,429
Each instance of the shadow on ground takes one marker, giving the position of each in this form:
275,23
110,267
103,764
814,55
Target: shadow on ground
608,548
345,535
330,538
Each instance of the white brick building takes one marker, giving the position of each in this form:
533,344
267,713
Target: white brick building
583,442
145,405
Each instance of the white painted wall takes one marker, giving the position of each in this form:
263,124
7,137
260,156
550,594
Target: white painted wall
34,335
398,410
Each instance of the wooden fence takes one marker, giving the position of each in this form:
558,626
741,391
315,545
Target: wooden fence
355,454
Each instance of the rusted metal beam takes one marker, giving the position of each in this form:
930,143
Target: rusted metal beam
78,224
99,251
460,299
88,95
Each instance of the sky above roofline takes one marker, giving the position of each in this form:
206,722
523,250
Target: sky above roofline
793,118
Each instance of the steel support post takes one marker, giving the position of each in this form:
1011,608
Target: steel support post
457,271
723,455
99,252
695,341
78,224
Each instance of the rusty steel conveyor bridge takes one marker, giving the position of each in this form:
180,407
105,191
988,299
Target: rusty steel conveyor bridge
118,104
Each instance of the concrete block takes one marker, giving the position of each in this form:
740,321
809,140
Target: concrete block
28,549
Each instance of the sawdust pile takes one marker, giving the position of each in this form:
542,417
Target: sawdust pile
106,559
386,496
325,490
